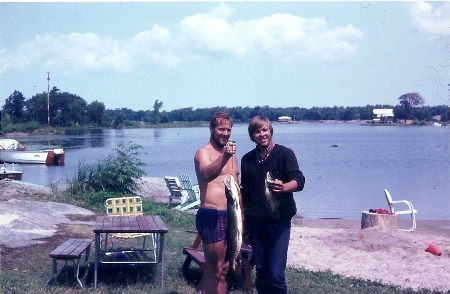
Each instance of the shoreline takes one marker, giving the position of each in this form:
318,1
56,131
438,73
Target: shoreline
155,188
437,225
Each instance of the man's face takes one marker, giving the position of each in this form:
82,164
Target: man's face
262,136
221,133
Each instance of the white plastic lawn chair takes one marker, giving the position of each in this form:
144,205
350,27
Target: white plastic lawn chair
176,190
411,211
192,191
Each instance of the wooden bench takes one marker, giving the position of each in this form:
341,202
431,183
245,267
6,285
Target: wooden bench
72,250
243,266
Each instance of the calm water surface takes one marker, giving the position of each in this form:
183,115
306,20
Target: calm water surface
411,162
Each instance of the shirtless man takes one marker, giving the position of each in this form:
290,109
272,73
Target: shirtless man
213,163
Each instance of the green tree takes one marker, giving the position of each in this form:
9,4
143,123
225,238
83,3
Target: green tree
349,113
409,101
95,111
421,113
327,113
67,109
399,112
14,106
118,120
313,114
36,108
366,113
156,108
5,121
183,114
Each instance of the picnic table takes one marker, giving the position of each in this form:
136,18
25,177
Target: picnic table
128,225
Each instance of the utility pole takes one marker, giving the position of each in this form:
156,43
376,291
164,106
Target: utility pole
48,99
448,108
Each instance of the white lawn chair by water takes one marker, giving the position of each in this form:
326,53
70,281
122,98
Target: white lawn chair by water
176,190
410,211
192,191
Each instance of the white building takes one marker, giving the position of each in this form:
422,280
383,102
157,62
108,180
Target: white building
284,119
383,115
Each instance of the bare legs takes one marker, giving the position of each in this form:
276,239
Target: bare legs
214,280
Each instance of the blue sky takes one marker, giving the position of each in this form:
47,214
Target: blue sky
206,54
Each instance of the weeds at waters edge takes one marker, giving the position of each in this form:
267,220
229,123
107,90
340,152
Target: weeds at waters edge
26,270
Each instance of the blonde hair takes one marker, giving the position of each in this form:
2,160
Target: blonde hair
219,117
258,122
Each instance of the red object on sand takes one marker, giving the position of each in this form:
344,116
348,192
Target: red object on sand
434,248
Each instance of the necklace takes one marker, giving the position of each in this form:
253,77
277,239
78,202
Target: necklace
259,155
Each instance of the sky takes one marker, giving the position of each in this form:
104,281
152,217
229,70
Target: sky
207,54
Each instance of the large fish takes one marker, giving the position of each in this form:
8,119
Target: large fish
234,230
271,200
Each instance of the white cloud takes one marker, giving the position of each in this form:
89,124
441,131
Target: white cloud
431,20
281,36
77,51
222,10
284,37
156,46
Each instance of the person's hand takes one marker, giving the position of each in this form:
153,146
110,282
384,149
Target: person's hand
230,148
276,186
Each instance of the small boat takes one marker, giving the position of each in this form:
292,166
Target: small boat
11,174
11,151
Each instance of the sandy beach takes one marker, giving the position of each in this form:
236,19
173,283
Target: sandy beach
388,256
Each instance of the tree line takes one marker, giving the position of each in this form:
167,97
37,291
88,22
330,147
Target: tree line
69,110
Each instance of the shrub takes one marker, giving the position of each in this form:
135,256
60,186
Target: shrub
114,175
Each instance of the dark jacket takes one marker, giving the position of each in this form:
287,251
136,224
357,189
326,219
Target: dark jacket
283,165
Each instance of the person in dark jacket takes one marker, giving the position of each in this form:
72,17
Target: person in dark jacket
269,176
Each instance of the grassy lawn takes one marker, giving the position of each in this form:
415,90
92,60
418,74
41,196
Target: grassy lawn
26,270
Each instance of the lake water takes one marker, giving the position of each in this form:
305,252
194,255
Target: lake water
413,163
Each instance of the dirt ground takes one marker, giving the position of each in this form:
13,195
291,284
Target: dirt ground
390,256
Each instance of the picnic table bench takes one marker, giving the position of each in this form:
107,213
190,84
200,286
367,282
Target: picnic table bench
72,249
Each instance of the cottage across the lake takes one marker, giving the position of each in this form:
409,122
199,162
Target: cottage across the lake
383,115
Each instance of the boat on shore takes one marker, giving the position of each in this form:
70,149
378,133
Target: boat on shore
11,151
12,174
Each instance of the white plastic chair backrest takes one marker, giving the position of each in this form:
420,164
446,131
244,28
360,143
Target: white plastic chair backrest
193,190
174,186
389,200
186,181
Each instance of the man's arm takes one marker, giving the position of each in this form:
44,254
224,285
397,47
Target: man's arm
278,186
295,179
207,169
